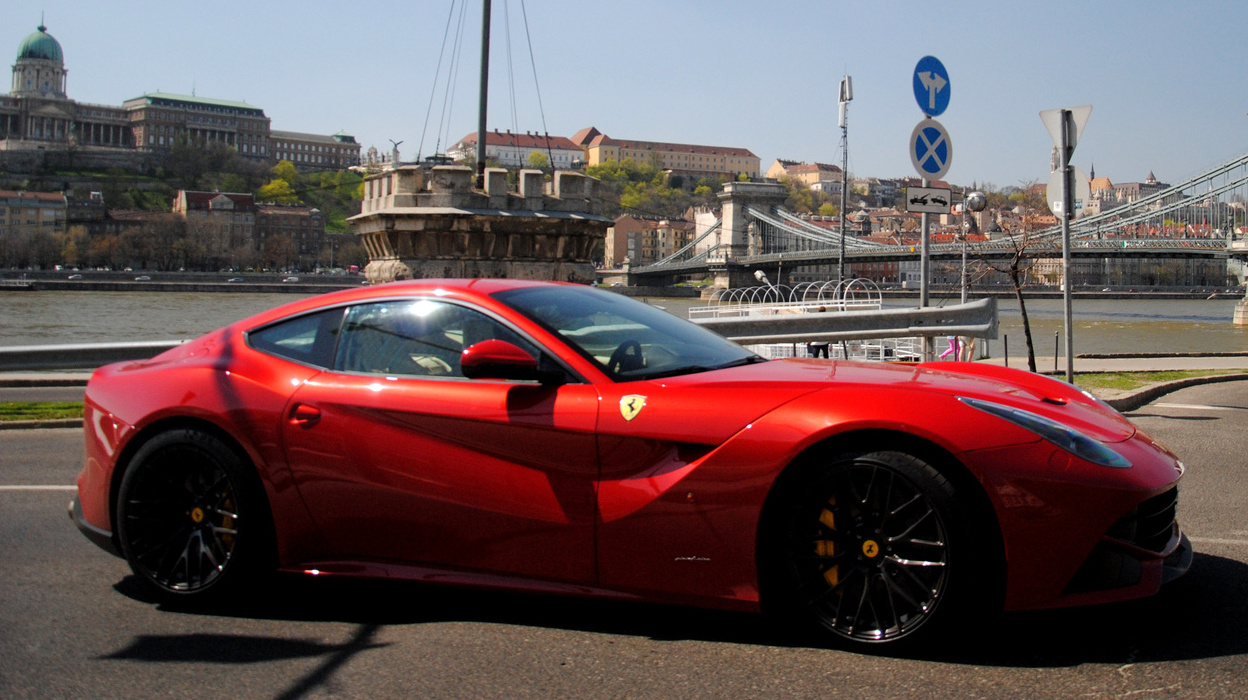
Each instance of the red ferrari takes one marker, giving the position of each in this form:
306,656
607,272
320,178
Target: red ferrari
560,438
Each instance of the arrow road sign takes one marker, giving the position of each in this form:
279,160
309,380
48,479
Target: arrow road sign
931,149
931,86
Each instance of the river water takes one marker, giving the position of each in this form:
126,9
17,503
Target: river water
1100,325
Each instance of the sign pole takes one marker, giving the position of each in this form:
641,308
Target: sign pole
1068,211
931,153
925,264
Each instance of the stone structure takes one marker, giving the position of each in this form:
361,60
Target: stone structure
427,221
737,234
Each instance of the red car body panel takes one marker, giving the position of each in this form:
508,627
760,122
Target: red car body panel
651,488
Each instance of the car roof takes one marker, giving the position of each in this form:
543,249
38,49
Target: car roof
458,287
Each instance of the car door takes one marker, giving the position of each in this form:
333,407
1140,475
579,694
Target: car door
401,458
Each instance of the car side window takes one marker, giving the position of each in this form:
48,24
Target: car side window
308,339
417,338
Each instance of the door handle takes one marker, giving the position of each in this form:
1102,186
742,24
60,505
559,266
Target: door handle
304,415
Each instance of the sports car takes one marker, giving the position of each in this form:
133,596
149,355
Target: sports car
570,440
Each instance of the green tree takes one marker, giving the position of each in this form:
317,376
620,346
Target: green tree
538,161
286,170
278,191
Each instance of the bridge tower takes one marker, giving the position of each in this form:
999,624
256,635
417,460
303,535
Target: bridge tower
734,235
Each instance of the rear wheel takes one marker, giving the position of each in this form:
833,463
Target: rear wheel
192,519
872,548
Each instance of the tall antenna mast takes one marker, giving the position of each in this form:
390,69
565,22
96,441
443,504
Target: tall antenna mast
847,94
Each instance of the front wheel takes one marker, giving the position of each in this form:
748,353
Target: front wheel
191,517
872,548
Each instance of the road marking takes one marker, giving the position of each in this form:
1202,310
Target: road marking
39,488
1200,407
1215,540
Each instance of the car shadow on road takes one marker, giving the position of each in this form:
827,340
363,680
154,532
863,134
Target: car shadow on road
1199,616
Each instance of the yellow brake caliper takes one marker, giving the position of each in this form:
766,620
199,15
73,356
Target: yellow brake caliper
827,548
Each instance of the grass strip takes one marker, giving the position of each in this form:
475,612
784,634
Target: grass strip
1127,381
40,410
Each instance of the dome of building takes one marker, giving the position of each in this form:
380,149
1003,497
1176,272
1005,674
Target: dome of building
40,45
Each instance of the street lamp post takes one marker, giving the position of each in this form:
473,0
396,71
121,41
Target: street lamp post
976,202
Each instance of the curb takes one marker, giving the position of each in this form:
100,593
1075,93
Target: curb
1130,402
40,424
29,382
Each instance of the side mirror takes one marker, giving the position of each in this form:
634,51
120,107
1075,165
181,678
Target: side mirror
498,359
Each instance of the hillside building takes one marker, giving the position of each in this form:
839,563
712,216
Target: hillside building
512,151
24,213
679,158
41,126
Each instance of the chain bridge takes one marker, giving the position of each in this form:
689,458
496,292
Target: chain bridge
1198,218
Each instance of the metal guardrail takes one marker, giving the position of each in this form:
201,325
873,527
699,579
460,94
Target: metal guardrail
37,358
974,319
977,319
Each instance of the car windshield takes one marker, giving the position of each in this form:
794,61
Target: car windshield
628,339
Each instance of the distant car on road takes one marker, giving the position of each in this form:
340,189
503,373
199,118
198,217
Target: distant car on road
143,278
291,279
75,277
236,279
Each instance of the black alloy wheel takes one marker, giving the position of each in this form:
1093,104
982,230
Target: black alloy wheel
868,547
190,522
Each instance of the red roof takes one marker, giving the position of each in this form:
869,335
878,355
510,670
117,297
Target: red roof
37,196
584,136
532,141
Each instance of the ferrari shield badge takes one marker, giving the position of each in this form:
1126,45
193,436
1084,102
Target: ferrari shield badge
631,405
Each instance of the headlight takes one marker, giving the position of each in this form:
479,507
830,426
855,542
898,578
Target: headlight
1063,436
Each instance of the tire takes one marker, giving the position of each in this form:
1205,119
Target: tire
872,548
192,519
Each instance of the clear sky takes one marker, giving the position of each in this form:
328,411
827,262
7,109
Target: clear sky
1166,79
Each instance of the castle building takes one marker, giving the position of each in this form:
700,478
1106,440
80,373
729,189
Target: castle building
38,122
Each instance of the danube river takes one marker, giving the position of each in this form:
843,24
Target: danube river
1100,325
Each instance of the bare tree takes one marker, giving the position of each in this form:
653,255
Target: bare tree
1023,249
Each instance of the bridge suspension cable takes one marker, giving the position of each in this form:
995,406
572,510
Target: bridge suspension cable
803,230
691,245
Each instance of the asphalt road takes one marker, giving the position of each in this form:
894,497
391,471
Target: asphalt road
74,624
41,393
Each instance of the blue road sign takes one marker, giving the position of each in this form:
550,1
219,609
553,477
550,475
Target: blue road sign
931,149
931,86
